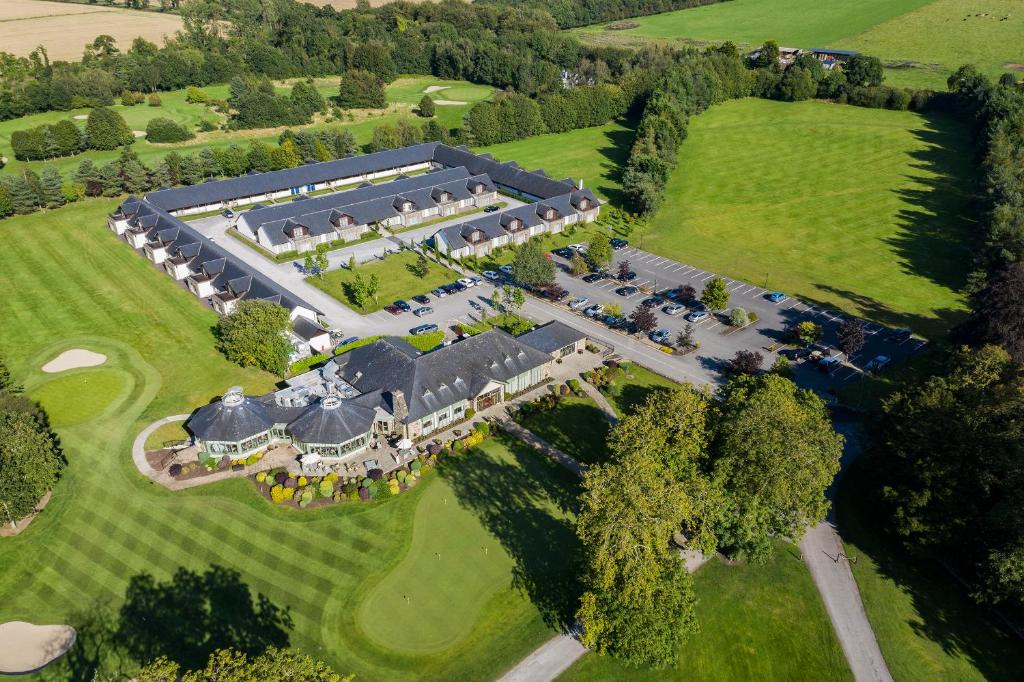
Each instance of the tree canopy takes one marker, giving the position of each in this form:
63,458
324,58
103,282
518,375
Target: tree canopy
231,665
531,266
254,336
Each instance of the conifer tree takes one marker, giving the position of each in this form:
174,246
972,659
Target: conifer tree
52,188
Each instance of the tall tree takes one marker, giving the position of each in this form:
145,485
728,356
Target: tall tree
715,295
426,107
531,267
851,335
254,336
599,252
997,314
30,463
231,665
52,188
105,129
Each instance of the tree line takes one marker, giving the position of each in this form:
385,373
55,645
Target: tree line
572,13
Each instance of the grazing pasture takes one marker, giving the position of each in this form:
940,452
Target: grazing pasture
865,210
65,28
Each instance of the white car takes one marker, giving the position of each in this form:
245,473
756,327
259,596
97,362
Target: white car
673,309
660,335
594,310
507,269
467,282
576,247
579,303
491,274
698,316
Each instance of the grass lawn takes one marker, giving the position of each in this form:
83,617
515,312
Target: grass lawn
577,427
861,209
71,284
396,281
920,41
597,155
401,100
756,623
927,628
168,433
634,388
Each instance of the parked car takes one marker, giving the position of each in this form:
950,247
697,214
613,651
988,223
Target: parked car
456,287
476,280
576,247
594,310
618,244
439,292
627,291
698,316
351,339
553,292
673,309
829,364
899,335
423,310
421,299
507,269
776,297
795,354
877,363
467,282
228,213
652,301
491,274
564,252
491,208
660,335
614,321
593,277
405,307
628,277
579,303
423,329
393,309
449,289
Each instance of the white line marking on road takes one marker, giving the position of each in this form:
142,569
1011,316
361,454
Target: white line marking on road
707,276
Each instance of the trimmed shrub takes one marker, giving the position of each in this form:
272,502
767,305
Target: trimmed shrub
381,489
349,488
483,428
303,481
364,494
470,413
154,100
433,449
277,494
224,462
261,476
375,474
366,483
574,385
739,317
326,488
280,477
290,483
174,470
416,465
105,129
205,126
253,458
401,475
331,477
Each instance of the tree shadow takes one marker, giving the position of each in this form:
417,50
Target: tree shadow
616,152
578,429
514,502
631,396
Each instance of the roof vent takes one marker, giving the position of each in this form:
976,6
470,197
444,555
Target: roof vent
331,402
234,397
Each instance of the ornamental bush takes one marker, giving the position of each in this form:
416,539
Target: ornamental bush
416,465
253,458
154,100
303,481
483,428
174,470
401,475
290,483
277,494
224,462
326,488
381,489
375,474
105,129
574,385
366,483
280,477
470,413
349,488
364,494
331,477
261,476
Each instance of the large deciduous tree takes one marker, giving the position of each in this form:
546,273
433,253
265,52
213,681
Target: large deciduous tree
30,462
851,336
105,129
231,665
361,90
531,266
254,336
599,252
715,295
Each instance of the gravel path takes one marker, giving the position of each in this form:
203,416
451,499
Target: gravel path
139,446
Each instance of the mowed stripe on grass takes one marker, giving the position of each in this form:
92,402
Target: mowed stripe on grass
859,209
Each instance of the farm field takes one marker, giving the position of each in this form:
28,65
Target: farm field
105,525
741,610
928,38
859,209
927,628
65,28
403,95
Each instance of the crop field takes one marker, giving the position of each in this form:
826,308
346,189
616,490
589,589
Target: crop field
403,95
865,210
921,41
64,28
335,578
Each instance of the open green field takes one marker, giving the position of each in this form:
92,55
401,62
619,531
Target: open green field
931,37
396,281
756,623
403,95
69,283
927,628
861,209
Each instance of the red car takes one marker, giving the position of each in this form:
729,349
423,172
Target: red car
393,309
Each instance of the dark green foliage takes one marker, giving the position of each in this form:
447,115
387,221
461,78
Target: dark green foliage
253,336
426,107
864,70
105,129
531,267
374,56
51,186
582,107
259,106
6,202
997,313
511,117
162,129
385,137
361,90
47,141
307,99
797,84
30,462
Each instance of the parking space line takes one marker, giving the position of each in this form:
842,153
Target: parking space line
738,285
646,281
707,276
717,323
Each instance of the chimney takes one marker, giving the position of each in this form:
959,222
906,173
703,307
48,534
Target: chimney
581,184
399,408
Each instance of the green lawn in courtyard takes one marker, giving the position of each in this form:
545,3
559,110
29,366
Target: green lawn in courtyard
756,623
577,427
70,283
926,626
920,41
597,155
397,281
860,209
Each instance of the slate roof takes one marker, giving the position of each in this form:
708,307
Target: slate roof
333,420
552,336
307,330
224,421
435,380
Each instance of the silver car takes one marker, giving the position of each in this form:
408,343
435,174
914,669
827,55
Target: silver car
673,309
579,303
423,310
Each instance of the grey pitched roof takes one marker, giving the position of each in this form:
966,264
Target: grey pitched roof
551,337
233,418
275,181
435,380
307,330
332,420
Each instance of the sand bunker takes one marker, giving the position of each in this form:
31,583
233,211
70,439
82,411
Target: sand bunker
80,117
436,88
139,133
449,102
25,647
74,359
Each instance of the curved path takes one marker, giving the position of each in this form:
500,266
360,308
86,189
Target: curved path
139,446
602,402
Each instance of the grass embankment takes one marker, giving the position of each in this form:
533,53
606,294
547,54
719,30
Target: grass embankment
926,626
63,272
920,41
174,106
756,623
860,209
397,281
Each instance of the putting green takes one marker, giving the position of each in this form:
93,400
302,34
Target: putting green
434,596
76,398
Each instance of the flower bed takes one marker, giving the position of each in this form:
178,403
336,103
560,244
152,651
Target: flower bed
208,464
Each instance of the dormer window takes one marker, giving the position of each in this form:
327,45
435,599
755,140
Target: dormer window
584,204
406,205
446,196
549,214
478,189
476,236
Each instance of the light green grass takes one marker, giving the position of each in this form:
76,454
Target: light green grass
597,155
861,209
173,432
757,623
70,283
410,89
174,107
926,626
81,395
396,280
